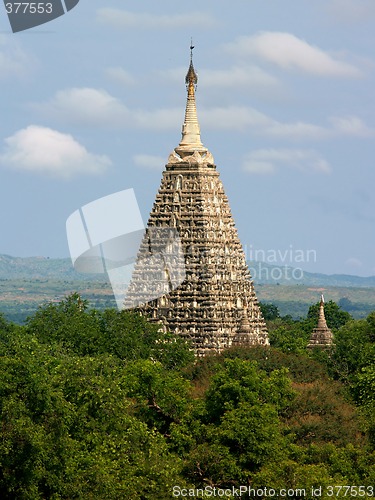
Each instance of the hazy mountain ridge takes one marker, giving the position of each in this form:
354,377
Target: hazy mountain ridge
264,273
62,269
42,268
27,283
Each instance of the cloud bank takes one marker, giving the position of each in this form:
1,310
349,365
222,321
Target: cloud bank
97,108
85,106
290,52
268,161
42,150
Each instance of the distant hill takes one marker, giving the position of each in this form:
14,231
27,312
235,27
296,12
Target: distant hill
40,268
27,283
62,269
285,275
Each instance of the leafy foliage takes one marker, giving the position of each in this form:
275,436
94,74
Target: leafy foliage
123,334
269,311
98,405
68,429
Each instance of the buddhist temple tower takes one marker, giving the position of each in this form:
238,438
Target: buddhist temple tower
321,335
215,306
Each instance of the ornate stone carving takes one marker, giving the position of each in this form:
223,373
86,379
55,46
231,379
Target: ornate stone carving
174,158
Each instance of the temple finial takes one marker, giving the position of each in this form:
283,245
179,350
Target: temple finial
191,79
191,140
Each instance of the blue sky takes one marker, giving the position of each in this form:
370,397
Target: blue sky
93,103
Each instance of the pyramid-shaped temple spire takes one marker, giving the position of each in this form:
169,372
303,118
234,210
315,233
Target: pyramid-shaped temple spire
321,335
215,305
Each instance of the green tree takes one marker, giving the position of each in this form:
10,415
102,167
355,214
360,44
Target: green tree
98,405
364,394
289,337
240,425
269,311
5,328
238,381
124,334
69,430
161,396
354,349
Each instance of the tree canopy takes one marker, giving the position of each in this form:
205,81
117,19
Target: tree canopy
105,405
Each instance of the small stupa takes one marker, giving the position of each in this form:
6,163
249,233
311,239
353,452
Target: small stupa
321,336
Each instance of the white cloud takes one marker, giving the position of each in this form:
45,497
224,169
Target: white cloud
120,75
254,166
14,61
268,161
238,76
87,106
289,52
98,108
45,151
242,118
149,161
125,19
351,125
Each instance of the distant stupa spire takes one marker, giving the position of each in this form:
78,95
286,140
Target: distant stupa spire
321,335
322,323
191,135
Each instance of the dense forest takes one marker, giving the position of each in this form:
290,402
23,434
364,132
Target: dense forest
104,405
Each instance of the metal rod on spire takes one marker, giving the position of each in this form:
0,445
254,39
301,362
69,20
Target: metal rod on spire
191,77
191,49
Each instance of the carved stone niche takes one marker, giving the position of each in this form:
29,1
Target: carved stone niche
179,182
